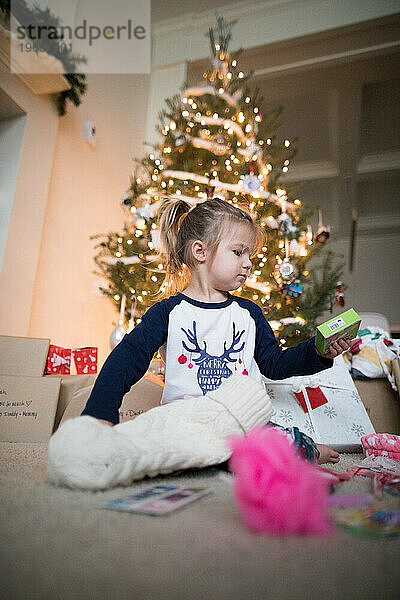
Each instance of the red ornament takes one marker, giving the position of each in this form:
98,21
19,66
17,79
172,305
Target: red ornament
245,372
190,366
182,359
85,360
240,361
339,296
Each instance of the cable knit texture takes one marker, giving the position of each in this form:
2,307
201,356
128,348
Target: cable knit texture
84,453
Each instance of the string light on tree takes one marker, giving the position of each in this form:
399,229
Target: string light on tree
219,138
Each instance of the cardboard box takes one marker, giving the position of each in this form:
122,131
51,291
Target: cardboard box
396,373
27,408
143,396
23,356
345,325
69,385
382,404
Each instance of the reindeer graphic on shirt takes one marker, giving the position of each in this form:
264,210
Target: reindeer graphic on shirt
212,369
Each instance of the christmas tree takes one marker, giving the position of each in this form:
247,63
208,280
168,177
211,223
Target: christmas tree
215,140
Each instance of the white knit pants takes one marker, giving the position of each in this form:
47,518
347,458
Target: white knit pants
84,453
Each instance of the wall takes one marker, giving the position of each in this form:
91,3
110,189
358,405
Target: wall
11,136
84,199
32,160
339,91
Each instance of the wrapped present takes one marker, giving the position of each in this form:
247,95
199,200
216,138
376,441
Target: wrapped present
58,361
315,395
340,421
85,360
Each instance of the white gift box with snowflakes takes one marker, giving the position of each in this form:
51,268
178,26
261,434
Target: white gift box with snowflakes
340,422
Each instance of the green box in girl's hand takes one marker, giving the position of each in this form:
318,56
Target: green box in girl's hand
344,326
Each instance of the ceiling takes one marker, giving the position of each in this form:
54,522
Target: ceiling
162,10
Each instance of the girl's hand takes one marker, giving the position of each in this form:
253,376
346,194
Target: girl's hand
336,348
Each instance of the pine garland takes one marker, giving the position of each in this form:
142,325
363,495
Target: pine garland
55,47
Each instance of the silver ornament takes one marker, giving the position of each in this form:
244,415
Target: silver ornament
285,271
180,139
251,182
144,211
116,335
284,223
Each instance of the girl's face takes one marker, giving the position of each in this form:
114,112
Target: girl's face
230,267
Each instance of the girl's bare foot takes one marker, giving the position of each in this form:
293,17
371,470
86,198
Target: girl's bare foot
327,454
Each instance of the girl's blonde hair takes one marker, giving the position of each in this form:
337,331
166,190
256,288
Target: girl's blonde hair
180,225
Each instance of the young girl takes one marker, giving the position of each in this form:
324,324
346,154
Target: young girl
204,332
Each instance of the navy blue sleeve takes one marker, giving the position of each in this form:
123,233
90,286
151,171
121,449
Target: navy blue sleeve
127,363
277,363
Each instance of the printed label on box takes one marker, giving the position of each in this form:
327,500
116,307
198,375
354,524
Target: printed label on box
338,323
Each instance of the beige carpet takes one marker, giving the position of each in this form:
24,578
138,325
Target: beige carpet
58,544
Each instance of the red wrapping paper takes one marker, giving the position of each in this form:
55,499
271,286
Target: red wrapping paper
58,361
315,395
85,360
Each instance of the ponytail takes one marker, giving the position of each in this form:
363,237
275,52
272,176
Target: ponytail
171,215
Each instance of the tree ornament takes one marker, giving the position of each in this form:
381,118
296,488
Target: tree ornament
182,359
251,182
217,143
285,272
116,335
133,313
144,211
292,289
126,199
339,296
180,140
269,222
285,223
323,231
119,331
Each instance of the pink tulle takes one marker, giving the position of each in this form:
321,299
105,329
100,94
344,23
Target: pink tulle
277,492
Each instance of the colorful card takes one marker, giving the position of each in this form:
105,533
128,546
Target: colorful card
127,502
376,521
157,501
380,464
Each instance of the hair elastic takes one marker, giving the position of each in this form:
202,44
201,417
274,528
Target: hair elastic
181,218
